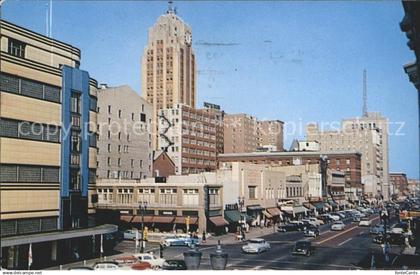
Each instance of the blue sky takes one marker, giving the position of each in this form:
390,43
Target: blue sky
294,61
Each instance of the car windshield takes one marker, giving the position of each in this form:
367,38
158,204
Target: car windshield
302,244
256,241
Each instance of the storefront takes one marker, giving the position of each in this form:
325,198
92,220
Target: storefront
255,212
217,225
294,212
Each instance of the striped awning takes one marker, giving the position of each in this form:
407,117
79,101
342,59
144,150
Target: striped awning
138,219
163,219
126,218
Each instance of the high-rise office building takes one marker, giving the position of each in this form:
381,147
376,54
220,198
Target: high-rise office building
168,71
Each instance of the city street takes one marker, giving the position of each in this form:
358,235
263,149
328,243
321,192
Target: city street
334,250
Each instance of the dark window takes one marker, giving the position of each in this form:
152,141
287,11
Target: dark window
8,128
143,117
16,48
8,227
8,173
48,224
75,141
9,83
51,133
92,139
50,174
52,93
28,226
74,179
92,176
32,89
93,104
29,174
75,103
29,130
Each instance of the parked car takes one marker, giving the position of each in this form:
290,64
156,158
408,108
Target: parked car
151,259
341,215
141,266
174,265
130,234
289,227
326,218
338,225
181,241
311,231
108,265
356,218
126,260
315,221
256,246
335,217
303,248
365,222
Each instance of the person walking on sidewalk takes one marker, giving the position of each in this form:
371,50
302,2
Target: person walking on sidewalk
204,237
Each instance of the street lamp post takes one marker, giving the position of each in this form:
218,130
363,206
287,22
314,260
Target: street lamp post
241,202
142,208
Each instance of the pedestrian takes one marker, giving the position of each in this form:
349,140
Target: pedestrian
161,250
204,236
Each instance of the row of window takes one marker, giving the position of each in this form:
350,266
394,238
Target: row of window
25,173
29,130
26,226
22,86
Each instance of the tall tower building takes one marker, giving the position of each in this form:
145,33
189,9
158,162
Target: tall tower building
168,67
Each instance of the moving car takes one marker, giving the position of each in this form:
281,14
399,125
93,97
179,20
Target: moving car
365,222
181,241
311,232
79,268
151,259
303,248
289,227
256,246
174,265
338,225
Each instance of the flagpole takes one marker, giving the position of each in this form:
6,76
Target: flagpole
30,256
102,245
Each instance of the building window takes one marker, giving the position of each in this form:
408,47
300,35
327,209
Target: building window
75,103
190,197
109,148
119,113
348,161
252,192
17,48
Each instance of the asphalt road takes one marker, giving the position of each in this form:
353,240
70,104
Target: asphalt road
333,250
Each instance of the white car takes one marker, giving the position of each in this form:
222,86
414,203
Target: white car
130,234
334,217
256,246
106,266
181,241
365,222
338,225
151,259
315,221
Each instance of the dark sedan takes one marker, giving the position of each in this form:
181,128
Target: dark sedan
303,248
174,265
289,227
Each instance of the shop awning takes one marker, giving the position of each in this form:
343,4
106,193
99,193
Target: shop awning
138,219
181,220
232,216
218,221
126,218
265,213
255,207
308,206
274,211
163,219
299,209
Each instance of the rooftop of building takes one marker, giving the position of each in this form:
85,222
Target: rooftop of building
37,36
289,153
